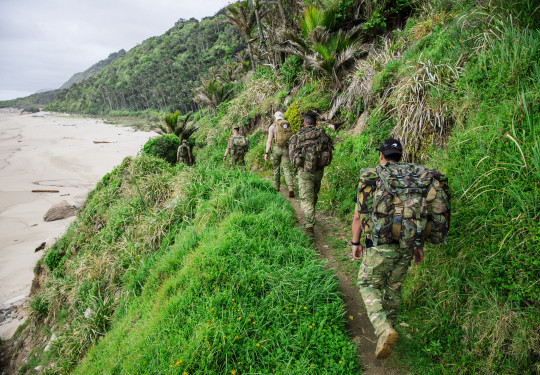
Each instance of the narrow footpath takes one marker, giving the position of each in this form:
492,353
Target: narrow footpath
332,245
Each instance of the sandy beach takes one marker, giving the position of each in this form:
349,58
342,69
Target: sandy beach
45,151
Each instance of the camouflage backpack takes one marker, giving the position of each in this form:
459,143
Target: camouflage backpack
410,204
283,133
312,149
240,144
184,151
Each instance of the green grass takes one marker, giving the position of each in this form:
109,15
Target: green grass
202,269
472,305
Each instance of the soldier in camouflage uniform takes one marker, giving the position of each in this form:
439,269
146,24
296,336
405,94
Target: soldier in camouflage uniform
184,153
237,152
279,133
385,265
311,169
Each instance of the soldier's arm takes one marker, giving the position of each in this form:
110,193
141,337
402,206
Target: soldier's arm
292,144
268,143
226,152
418,255
189,154
178,154
357,248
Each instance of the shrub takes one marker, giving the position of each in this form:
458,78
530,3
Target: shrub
290,70
163,146
52,259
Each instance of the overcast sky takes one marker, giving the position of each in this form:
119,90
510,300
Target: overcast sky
44,42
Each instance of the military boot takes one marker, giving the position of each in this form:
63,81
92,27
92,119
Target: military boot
310,232
291,193
385,342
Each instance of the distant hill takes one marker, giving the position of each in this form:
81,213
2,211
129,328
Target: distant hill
93,70
158,74
45,96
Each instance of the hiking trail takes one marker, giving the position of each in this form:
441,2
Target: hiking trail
359,327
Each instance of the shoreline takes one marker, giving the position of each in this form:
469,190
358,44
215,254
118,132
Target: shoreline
46,151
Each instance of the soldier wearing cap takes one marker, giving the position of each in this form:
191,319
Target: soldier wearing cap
384,266
279,134
237,146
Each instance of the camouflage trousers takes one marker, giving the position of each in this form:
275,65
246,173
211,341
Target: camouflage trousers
382,272
309,184
184,160
237,160
280,157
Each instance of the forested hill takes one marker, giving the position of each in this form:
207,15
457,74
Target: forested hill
93,70
158,74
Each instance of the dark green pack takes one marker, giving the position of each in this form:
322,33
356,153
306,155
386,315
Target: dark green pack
184,151
410,204
240,145
312,149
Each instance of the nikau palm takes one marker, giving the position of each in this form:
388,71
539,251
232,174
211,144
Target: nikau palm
175,124
243,18
328,52
212,92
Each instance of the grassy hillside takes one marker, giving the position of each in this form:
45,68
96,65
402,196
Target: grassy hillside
200,270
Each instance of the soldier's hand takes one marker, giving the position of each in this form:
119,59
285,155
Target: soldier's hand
418,255
265,157
357,251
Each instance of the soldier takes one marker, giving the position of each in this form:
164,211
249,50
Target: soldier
311,150
184,153
280,132
238,145
395,233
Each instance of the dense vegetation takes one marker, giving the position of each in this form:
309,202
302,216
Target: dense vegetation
159,74
458,82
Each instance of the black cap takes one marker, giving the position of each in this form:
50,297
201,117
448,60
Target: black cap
236,128
391,146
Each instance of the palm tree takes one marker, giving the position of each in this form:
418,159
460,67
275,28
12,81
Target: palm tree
176,124
328,52
242,17
212,92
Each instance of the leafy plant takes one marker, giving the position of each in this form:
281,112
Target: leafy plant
212,92
174,124
242,17
163,146
327,52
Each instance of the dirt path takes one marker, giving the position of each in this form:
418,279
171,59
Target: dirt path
331,243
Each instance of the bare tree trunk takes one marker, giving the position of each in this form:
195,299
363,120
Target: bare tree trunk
259,27
251,56
282,12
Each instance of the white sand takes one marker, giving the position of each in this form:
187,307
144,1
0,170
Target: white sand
46,151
